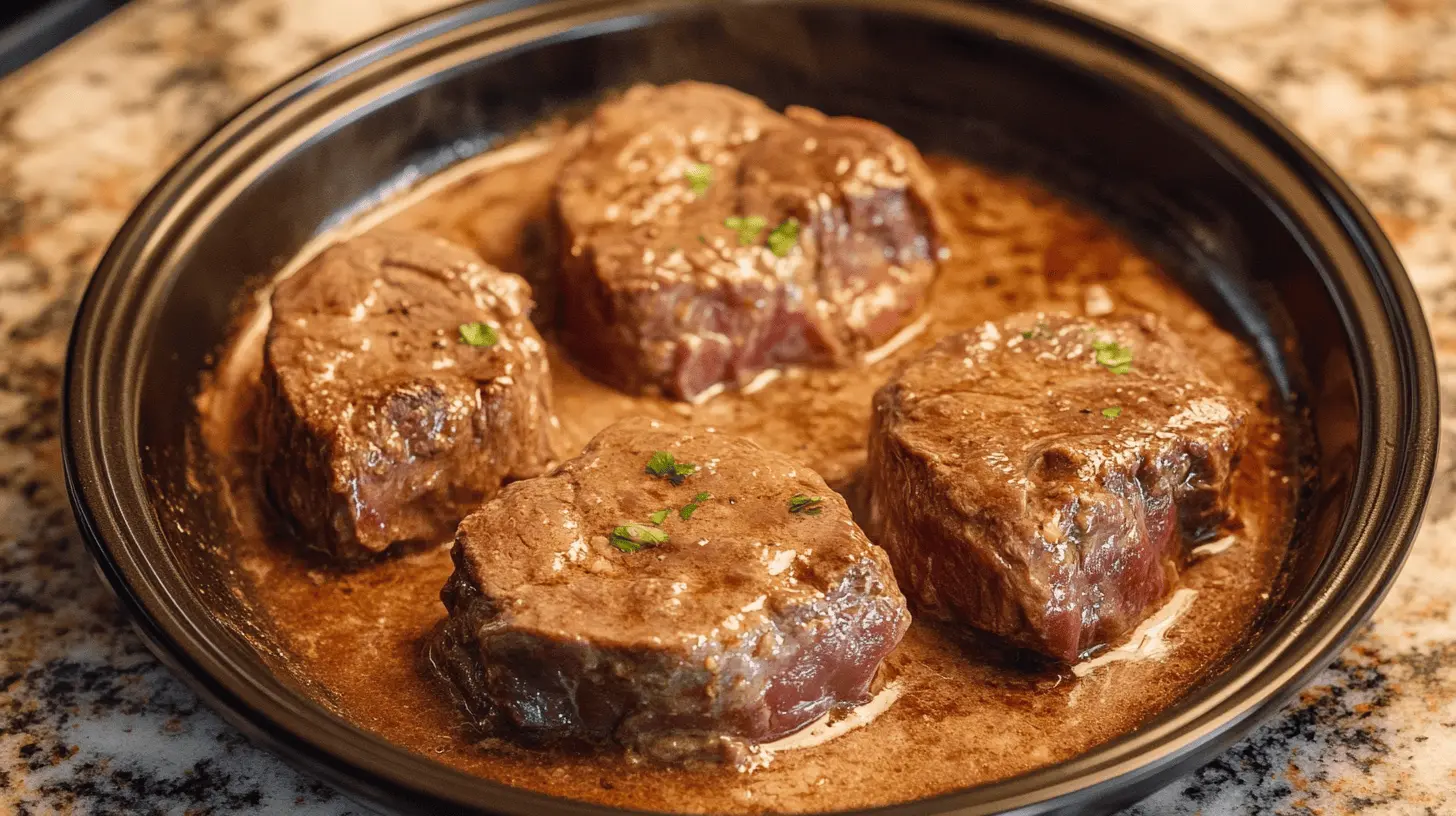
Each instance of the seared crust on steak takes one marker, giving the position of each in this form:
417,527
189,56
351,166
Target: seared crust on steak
1027,484
662,294
379,425
750,621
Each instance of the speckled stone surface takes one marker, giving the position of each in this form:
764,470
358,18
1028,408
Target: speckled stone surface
89,722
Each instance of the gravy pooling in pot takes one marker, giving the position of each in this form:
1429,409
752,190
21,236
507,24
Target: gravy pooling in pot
958,712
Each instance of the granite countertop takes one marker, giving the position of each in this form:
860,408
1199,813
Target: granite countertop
90,722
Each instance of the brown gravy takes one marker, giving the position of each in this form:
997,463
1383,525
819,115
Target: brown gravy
960,719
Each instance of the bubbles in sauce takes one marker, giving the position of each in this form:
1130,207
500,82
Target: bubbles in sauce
956,712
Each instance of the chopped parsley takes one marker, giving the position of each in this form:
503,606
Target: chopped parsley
664,466
630,538
1112,411
784,237
661,463
658,518
480,335
699,177
748,227
1112,356
1039,330
808,505
692,507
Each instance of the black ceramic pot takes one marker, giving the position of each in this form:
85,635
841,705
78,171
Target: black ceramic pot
1253,222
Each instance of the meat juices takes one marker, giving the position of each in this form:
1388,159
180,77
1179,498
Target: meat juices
709,239
380,426
1038,478
764,607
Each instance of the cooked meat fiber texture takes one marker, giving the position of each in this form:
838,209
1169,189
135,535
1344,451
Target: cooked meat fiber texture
380,425
747,623
683,272
1032,480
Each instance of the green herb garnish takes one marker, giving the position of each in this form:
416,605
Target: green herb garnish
661,463
748,227
480,335
658,518
808,505
1112,411
1112,356
1039,330
664,466
692,507
630,538
700,178
784,237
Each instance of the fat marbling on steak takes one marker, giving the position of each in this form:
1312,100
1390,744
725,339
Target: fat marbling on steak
709,238
1038,478
687,615
381,425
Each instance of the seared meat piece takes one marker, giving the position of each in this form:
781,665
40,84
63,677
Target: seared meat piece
709,238
380,424
1038,479
592,606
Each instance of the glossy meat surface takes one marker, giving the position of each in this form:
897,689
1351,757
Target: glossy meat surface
380,425
1037,478
747,621
709,238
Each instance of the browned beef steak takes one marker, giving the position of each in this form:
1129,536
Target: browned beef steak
381,425
709,238
1038,478
686,615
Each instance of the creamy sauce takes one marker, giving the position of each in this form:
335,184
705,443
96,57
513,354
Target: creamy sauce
830,726
961,713
1149,641
1213,547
